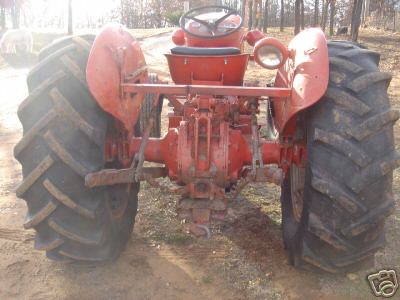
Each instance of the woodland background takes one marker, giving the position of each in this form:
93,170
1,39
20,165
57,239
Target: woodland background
261,14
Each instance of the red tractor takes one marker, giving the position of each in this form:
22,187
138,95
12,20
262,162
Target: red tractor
93,118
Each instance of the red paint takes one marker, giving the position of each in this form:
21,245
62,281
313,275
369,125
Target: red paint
253,36
211,89
232,40
306,72
204,144
116,54
226,70
178,37
208,145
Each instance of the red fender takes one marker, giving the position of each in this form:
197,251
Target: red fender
116,56
306,72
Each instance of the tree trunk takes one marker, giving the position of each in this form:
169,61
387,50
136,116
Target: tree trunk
15,14
332,17
366,9
3,18
250,14
244,9
362,12
70,27
297,16
324,15
265,19
282,14
356,19
255,14
302,14
316,13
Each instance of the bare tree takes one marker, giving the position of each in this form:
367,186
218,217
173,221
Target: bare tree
316,12
325,5
251,3
356,19
244,9
297,16
70,25
366,10
255,15
260,14
332,16
282,14
2,18
15,13
265,19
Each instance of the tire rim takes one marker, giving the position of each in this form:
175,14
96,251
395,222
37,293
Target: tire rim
297,181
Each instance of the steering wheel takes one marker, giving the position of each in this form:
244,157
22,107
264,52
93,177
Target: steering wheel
212,17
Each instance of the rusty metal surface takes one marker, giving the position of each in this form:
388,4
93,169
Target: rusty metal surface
138,159
213,141
249,91
121,176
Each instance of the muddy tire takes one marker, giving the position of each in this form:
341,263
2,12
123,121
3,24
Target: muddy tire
334,208
145,112
63,139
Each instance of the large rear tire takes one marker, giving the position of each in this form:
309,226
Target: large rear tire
63,140
334,208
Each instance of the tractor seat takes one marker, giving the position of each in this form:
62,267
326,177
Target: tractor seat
205,51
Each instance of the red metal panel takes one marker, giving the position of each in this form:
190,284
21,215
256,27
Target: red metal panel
234,39
249,91
229,69
253,36
116,54
307,72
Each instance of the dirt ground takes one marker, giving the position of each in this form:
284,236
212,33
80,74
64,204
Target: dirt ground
244,259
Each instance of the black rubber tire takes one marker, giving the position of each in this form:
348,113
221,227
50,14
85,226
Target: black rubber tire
348,174
63,140
145,112
84,42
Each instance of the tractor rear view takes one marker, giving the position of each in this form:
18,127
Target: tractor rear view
92,120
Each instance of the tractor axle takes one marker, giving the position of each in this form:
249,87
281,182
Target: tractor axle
212,150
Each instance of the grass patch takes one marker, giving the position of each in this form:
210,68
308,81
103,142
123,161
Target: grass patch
207,279
172,238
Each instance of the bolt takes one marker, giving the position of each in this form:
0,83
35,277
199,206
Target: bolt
202,187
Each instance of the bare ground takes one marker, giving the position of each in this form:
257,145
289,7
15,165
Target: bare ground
244,259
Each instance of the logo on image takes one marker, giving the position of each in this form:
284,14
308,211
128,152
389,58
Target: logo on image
384,283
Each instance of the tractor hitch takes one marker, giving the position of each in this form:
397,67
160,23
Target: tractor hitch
121,176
